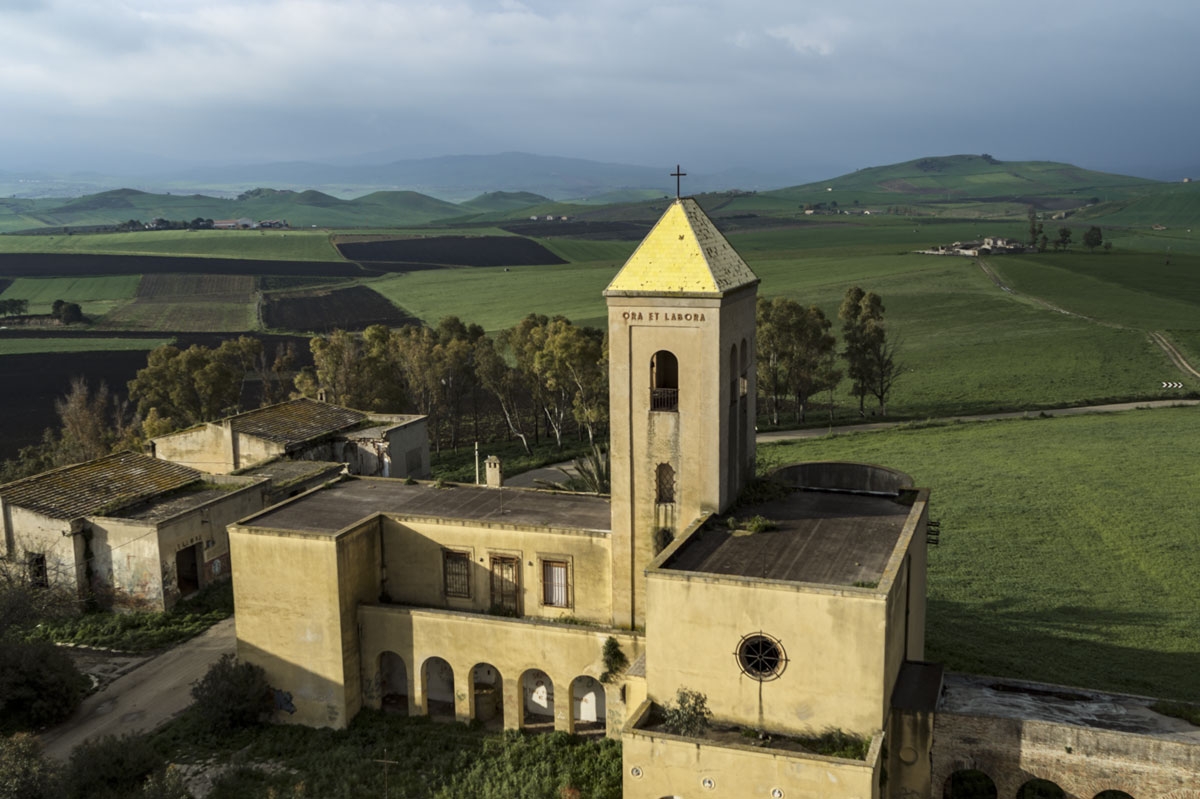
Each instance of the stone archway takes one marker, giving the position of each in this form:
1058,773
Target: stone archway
1113,795
488,687
437,680
588,706
393,683
1041,789
537,701
969,784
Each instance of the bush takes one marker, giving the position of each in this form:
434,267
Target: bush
232,695
24,772
614,660
688,715
110,768
39,685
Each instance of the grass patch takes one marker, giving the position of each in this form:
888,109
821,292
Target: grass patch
1178,710
1067,544
433,760
201,316
36,346
96,295
144,631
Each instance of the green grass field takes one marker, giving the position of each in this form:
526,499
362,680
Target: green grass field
1066,551
36,346
177,315
1132,289
96,295
278,245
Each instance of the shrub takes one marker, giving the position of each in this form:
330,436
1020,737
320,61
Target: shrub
688,715
24,772
39,685
614,660
110,768
232,695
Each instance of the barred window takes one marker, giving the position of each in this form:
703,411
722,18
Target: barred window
456,569
664,484
555,584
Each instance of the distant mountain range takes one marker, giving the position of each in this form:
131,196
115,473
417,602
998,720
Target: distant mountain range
453,178
959,185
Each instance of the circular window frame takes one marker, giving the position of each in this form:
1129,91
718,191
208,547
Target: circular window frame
755,659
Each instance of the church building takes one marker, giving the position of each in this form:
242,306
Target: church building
795,605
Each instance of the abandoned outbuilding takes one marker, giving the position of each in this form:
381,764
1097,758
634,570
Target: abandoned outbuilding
134,531
382,445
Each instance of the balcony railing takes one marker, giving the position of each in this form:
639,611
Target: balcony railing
664,399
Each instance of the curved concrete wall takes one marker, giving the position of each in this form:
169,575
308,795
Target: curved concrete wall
843,476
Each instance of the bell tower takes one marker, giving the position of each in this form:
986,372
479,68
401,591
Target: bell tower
681,316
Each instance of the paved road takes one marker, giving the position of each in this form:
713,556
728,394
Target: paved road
150,695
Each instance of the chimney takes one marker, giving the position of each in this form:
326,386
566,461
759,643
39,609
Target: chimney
495,478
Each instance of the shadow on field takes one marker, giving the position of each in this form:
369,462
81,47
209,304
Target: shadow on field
1066,645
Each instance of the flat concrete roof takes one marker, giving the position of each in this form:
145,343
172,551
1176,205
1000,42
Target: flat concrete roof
181,501
338,506
821,537
972,695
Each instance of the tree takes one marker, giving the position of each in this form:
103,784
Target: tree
357,371
1035,227
505,383
1093,238
573,362
185,387
792,342
1064,237
870,347
84,433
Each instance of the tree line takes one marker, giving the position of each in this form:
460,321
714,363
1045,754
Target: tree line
545,378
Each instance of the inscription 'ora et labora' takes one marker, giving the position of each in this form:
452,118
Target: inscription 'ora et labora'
662,316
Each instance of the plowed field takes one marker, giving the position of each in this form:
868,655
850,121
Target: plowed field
352,308
72,265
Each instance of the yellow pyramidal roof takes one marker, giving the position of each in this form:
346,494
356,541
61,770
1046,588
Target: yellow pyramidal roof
683,254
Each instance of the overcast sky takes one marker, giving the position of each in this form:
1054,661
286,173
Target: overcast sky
1105,84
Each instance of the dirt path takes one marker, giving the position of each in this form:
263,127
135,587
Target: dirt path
146,697
1159,339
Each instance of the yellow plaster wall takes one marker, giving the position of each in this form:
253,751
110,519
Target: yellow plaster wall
413,557
834,640
205,448
126,558
252,450
657,765
512,646
295,615
27,531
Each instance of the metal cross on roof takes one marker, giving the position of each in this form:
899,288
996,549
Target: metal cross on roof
677,174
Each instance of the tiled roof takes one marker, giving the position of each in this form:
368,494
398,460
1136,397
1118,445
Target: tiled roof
296,421
684,254
96,487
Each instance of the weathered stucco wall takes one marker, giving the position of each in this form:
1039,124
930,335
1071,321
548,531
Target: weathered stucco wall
26,532
511,647
413,553
834,640
295,618
205,448
1083,761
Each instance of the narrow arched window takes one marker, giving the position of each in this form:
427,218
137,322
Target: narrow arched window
664,381
664,484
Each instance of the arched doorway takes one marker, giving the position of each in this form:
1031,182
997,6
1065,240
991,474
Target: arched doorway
969,784
489,695
664,381
1041,789
588,706
1113,795
537,701
438,680
393,683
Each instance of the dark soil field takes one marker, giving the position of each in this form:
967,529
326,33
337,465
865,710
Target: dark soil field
353,308
29,384
4,283
619,231
82,265
452,251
